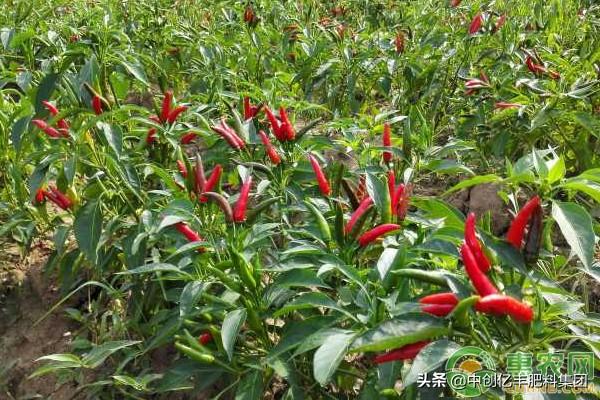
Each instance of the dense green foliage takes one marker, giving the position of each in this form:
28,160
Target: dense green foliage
296,307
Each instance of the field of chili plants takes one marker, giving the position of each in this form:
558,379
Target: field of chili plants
302,199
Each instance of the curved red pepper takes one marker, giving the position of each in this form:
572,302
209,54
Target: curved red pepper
188,138
175,113
321,178
151,136
239,212
407,352
480,281
476,23
516,231
439,310
275,125
387,142
362,208
474,245
212,181
287,128
52,109
499,304
47,129
58,198
270,150
370,236
229,135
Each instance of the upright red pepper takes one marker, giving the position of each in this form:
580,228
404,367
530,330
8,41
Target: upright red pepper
516,231
321,178
391,178
212,181
370,236
239,212
97,104
270,150
387,142
175,113
166,106
499,304
362,208
182,169
275,125
401,200
151,136
476,23
407,352
480,281
474,245
287,127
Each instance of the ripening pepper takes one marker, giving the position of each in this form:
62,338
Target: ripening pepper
370,236
474,245
407,352
286,125
533,67
499,304
400,200
166,106
239,211
321,178
516,231
360,211
387,142
503,105
480,281
391,180
399,42
361,189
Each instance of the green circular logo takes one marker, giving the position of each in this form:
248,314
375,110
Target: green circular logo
470,371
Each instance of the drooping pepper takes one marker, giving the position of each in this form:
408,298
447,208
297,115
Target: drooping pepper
212,181
58,198
499,23
230,136
47,129
407,352
370,236
188,138
499,304
480,281
269,148
399,42
275,125
516,231
387,142
239,211
199,177
63,125
321,178
474,245
188,232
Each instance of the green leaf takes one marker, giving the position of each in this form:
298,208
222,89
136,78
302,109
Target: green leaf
154,267
189,296
66,358
88,228
576,226
430,358
476,180
100,353
300,278
380,194
137,70
231,328
328,357
557,170
250,387
386,261
17,131
400,331
296,333
586,186
45,90
311,300
114,137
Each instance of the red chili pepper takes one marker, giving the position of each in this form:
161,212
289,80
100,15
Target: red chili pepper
439,310
239,212
440,298
188,138
499,23
399,42
407,352
370,236
166,106
474,245
151,136
39,196
47,129
321,178
387,142
516,231
287,127
554,75
271,152
396,196
229,135
499,304
275,125
362,208
503,105
199,177
533,67
391,178
205,338
212,181
175,113
401,200
250,111
58,198
188,232
455,3
97,104
480,281
182,169
50,107
476,23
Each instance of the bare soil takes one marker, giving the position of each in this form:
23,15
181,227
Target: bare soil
25,296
